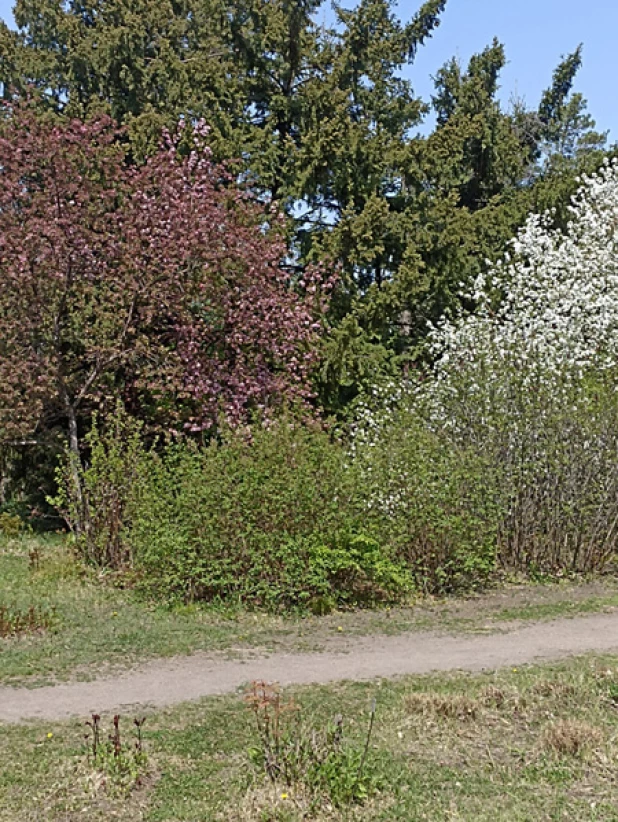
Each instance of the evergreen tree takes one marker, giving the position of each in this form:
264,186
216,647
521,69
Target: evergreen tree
320,119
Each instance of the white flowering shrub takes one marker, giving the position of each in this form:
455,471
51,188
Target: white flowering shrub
528,383
530,377
547,315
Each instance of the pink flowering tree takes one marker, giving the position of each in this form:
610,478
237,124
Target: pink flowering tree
161,282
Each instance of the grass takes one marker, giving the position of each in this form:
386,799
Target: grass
98,628
536,743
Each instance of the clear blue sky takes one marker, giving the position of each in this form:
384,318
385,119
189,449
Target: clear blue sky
536,33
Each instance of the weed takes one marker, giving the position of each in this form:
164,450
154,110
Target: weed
121,765
612,693
11,525
315,761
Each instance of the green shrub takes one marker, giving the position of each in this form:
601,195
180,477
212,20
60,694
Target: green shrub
270,518
559,470
115,454
554,458
11,525
434,503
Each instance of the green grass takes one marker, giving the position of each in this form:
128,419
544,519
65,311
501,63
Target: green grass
98,628
523,745
101,627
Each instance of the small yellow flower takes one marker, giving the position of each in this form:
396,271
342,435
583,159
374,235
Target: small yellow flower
340,628
514,670
114,613
50,735
284,796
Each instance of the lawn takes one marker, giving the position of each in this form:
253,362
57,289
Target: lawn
96,628
536,743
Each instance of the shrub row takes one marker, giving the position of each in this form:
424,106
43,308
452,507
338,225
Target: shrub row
289,516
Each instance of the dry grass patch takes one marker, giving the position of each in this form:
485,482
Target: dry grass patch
571,737
266,803
445,706
556,690
502,698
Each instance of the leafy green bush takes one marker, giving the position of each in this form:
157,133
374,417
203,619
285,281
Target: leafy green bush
433,503
271,518
106,485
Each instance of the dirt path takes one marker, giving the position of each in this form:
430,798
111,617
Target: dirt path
166,682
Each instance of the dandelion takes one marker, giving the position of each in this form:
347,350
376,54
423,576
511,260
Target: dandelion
284,796
50,735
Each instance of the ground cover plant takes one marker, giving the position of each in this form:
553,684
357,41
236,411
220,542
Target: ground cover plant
532,743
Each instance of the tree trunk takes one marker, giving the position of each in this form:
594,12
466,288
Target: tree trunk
75,466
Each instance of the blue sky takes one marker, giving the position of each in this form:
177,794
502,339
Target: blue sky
536,33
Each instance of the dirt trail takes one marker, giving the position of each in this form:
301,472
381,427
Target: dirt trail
165,682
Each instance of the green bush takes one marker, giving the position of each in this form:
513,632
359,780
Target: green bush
11,525
271,518
434,503
97,514
553,451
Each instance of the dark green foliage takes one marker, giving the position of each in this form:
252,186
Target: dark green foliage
322,121
27,478
271,518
